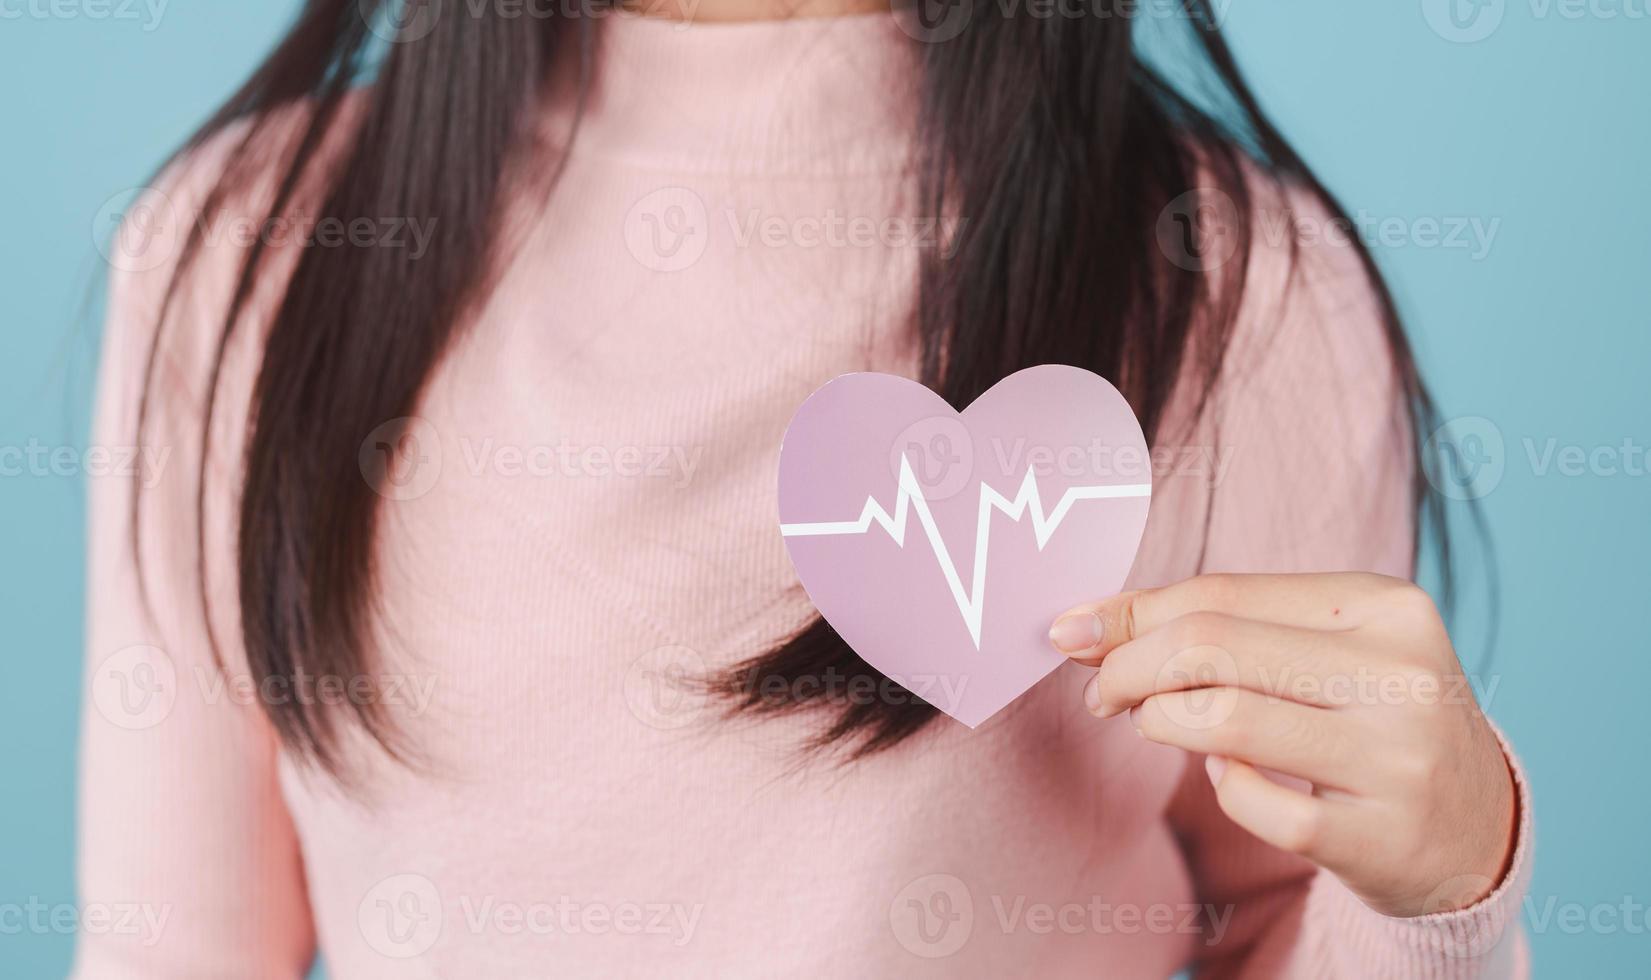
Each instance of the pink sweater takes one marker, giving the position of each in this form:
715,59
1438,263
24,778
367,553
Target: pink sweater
594,513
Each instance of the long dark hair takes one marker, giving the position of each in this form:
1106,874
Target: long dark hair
1057,139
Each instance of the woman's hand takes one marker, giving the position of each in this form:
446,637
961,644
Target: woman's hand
1347,681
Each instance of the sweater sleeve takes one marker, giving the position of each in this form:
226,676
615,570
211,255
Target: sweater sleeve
1318,478
188,862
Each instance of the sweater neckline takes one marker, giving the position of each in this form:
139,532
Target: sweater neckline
803,96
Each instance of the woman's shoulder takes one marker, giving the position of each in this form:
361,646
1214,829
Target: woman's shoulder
1312,285
179,254
1304,442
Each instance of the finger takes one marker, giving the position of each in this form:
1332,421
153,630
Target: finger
1286,818
1327,601
1205,649
1296,740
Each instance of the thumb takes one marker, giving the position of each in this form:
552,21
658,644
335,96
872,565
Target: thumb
1089,632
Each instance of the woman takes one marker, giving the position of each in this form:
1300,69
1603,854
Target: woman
460,609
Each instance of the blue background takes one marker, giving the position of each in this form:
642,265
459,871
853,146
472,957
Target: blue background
1541,125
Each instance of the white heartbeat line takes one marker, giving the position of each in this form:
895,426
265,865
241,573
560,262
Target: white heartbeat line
970,602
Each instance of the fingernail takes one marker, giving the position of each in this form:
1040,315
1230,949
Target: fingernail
1216,767
1092,695
1135,720
1079,631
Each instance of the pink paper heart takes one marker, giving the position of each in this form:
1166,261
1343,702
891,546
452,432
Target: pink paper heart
883,488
